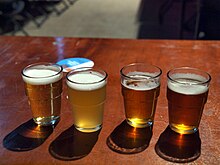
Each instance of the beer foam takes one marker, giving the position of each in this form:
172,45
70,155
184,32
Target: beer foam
142,75
86,81
188,84
141,81
140,85
40,76
191,76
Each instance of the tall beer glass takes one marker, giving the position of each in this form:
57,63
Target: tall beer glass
187,93
140,85
43,85
87,94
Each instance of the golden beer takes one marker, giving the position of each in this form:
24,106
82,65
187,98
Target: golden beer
87,94
140,103
140,84
43,85
187,94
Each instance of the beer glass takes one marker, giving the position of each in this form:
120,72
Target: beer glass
187,92
87,94
43,85
140,84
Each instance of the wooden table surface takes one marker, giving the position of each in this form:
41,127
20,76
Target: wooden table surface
110,55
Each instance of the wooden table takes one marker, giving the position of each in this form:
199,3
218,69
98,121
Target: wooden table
110,55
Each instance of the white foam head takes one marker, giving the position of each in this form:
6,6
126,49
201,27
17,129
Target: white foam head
41,76
86,81
187,84
141,81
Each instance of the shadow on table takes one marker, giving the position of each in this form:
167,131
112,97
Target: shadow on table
180,148
73,144
27,136
126,139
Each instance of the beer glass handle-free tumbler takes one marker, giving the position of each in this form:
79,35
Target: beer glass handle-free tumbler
140,84
87,94
187,92
43,85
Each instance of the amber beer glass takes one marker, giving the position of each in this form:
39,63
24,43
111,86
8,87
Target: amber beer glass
87,94
140,85
187,92
43,85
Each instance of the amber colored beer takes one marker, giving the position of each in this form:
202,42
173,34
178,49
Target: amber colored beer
140,100
185,111
44,88
87,95
186,96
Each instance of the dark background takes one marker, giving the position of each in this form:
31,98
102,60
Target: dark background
179,19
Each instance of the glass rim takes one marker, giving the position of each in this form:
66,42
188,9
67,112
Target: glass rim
42,63
143,64
190,68
78,70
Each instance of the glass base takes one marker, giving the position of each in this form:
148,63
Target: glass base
182,129
139,123
88,130
46,121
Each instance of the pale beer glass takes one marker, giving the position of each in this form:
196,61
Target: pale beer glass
43,85
140,84
87,95
187,92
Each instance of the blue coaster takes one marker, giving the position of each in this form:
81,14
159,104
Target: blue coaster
69,64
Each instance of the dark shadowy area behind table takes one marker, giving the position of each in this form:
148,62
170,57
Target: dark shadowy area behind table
179,19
